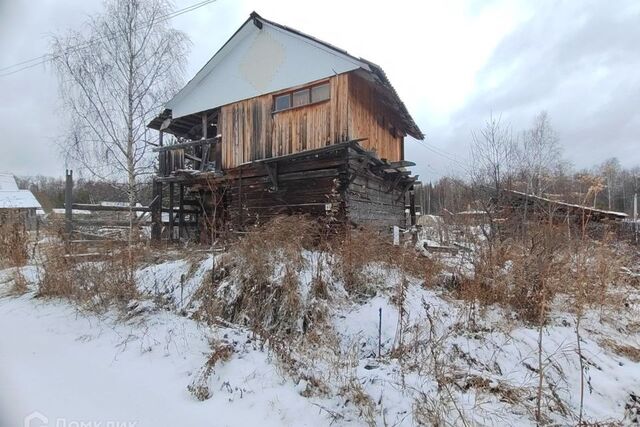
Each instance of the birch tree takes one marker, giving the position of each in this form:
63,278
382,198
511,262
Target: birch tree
113,79
493,154
539,155
610,170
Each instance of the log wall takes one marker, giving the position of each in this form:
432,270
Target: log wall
338,183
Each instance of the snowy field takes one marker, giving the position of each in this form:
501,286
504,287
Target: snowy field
135,368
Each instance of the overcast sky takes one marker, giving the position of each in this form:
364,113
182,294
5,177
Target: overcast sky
453,63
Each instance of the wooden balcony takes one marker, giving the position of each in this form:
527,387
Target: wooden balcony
204,155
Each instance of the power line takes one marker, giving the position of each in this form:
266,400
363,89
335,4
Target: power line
29,63
445,155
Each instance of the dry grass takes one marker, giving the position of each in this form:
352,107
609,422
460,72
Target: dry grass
14,241
524,274
93,285
263,291
220,352
20,284
359,249
628,351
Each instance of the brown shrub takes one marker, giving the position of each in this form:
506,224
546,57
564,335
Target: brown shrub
257,282
358,249
263,290
630,352
521,274
525,272
95,285
14,240
199,387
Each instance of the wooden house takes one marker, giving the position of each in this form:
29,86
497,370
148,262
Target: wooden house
17,206
279,122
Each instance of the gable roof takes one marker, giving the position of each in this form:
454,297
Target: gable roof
13,198
263,57
8,182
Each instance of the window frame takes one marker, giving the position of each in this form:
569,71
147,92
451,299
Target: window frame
308,89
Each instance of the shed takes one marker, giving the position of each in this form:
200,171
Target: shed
15,204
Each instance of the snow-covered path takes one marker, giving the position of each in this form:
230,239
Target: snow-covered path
77,368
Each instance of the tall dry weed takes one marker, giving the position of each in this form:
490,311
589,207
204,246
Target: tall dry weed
94,285
14,240
263,290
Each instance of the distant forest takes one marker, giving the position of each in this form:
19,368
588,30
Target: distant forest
615,188
50,191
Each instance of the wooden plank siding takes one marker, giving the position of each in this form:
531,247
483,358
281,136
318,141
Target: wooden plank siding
368,118
252,131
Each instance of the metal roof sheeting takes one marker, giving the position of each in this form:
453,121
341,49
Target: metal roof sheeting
13,198
8,182
19,199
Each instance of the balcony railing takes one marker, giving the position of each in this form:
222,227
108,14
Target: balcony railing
204,155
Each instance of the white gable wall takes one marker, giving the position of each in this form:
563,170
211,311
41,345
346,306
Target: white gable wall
256,62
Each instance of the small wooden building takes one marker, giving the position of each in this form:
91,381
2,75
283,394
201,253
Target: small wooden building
17,206
280,122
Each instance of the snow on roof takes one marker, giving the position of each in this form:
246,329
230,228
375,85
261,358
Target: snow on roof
19,199
8,182
472,212
61,211
117,204
570,205
13,198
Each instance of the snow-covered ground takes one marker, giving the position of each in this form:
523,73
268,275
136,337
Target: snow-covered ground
73,367
440,362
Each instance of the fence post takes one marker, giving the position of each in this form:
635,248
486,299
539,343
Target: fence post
68,202
635,215
156,212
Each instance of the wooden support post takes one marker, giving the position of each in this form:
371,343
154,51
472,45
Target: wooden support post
171,185
181,212
218,155
240,198
68,202
412,206
162,163
205,147
156,212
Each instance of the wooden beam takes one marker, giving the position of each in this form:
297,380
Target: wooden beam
181,211
194,158
100,208
156,212
171,185
186,144
89,207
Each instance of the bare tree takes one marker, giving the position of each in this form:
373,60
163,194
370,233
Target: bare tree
539,154
113,79
610,170
493,153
